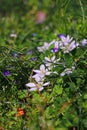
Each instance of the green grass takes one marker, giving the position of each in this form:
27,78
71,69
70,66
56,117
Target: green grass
62,105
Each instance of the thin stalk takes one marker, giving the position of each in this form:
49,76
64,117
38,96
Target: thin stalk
83,14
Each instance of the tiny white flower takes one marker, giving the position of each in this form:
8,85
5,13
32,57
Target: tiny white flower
56,45
36,86
67,71
69,47
50,62
67,44
44,47
52,42
43,71
13,35
38,77
32,86
66,39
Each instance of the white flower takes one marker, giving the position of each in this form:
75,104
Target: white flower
50,62
38,77
56,45
36,86
44,47
67,71
52,59
84,42
66,39
52,42
42,72
68,44
13,35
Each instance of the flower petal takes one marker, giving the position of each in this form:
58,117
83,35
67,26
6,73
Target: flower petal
30,85
47,83
32,89
38,77
40,89
53,58
37,71
47,59
42,67
48,73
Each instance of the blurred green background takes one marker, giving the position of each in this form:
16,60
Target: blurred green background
20,17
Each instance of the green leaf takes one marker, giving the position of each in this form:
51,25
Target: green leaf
85,96
57,90
68,60
85,104
22,94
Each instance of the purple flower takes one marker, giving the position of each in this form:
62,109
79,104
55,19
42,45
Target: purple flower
55,50
15,54
30,52
33,59
7,72
61,36
33,34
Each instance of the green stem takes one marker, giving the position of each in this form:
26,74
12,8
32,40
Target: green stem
83,14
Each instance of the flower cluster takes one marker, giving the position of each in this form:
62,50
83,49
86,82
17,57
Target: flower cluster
67,44
39,78
57,48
